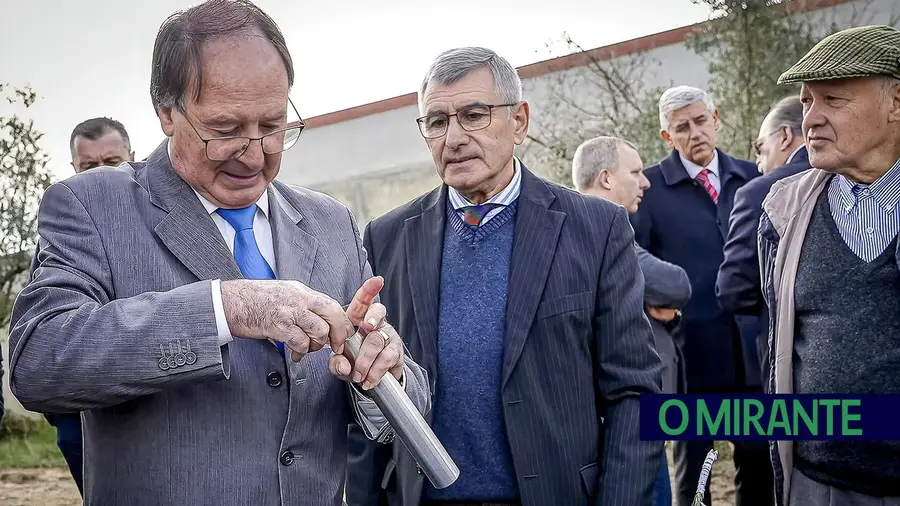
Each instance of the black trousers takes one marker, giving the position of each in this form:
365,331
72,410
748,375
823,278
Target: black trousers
753,480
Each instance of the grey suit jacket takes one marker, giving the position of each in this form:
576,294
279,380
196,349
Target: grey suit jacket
118,322
665,285
578,349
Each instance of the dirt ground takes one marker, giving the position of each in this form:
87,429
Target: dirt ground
722,481
38,487
54,487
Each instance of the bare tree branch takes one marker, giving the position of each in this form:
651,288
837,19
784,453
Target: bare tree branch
603,96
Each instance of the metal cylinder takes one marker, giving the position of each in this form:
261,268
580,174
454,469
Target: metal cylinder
408,423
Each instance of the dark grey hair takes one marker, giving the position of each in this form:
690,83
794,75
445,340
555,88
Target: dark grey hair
594,156
679,97
451,66
95,128
788,112
177,63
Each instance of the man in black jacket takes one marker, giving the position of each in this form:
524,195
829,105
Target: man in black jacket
780,152
683,219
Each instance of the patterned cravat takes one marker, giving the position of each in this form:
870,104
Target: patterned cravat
246,252
474,215
703,178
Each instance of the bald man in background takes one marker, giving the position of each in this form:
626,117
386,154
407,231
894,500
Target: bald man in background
612,169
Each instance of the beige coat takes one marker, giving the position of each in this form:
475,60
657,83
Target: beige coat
789,206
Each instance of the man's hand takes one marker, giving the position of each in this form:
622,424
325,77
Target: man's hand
382,349
662,314
287,311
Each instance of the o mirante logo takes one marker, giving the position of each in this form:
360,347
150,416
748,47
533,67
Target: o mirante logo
770,417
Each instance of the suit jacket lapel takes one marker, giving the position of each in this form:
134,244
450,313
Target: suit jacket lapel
424,240
673,170
187,230
728,173
536,235
674,173
295,248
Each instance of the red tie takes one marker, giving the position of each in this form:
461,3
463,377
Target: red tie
703,177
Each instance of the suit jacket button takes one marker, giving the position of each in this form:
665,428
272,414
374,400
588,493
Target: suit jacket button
287,458
273,379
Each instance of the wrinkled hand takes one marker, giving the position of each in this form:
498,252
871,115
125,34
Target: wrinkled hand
288,311
382,349
662,314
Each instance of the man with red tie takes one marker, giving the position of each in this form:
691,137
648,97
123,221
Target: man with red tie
683,220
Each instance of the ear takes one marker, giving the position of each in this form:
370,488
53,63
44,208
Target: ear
166,121
716,121
602,180
667,139
788,139
894,114
522,116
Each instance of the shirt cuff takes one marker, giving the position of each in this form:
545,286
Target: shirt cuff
224,333
373,422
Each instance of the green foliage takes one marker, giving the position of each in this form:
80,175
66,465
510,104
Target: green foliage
748,45
28,442
23,179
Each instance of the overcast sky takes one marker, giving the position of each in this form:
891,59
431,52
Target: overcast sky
89,58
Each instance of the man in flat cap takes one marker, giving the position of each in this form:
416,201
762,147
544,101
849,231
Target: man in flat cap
830,259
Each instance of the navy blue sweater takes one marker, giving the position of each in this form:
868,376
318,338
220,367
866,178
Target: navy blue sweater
468,409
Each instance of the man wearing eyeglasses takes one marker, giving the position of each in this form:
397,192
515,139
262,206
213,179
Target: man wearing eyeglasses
780,153
193,308
523,300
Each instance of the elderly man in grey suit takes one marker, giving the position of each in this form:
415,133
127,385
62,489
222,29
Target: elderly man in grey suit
612,169
191,306
523,301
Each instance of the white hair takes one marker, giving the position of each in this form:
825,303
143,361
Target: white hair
594,156
451,66
679,97
788,112
890,82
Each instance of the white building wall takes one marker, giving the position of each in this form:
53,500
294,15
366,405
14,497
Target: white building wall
362,146
361,161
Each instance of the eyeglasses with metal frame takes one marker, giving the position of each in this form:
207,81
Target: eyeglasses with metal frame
220,149
472,118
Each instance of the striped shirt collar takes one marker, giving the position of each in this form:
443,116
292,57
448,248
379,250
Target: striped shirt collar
885,190
505,197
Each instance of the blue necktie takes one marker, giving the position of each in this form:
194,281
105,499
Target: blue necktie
246,252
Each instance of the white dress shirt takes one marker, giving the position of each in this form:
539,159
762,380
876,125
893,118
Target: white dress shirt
263,233
694,170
